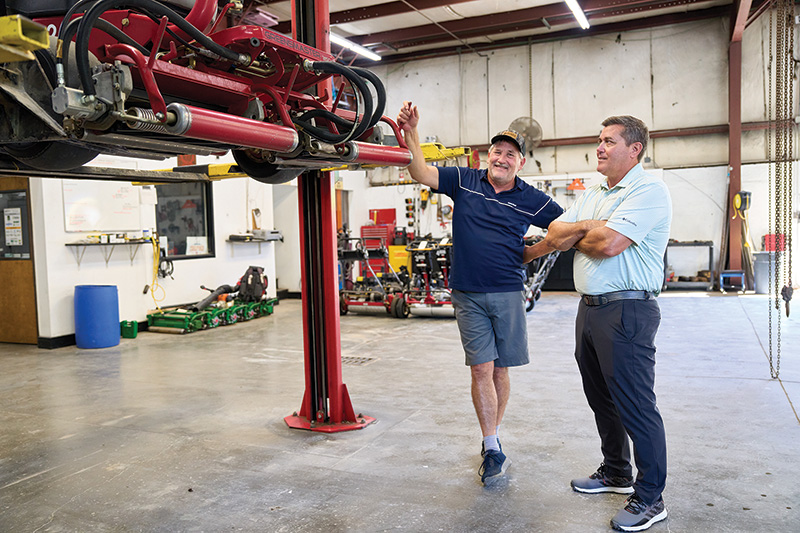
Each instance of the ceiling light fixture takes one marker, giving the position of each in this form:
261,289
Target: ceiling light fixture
578,12
353,47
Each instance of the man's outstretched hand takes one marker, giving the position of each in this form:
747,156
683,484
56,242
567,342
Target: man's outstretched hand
408,118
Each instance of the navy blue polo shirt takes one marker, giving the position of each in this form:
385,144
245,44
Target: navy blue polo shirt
488,228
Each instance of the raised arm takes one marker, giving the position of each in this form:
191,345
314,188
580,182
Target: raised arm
407,120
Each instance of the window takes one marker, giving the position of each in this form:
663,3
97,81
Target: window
184,218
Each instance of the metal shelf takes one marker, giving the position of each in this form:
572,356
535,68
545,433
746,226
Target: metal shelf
702,285
107,248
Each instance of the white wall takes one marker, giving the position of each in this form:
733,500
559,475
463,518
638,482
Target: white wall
287,220
671,77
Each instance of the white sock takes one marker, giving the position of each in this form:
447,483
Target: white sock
490,443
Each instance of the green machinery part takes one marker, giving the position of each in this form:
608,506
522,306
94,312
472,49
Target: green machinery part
190,321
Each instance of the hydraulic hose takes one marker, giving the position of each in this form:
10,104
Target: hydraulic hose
358,128
157,9
102,25
379,89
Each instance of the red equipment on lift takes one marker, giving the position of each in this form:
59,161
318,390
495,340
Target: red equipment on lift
143,80
146,80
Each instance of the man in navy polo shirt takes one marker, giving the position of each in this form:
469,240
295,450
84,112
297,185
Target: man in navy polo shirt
492,211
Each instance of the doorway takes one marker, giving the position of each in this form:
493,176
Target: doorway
18,295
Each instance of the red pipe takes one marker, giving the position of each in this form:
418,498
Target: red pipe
199,123
126,51
202,14
372,154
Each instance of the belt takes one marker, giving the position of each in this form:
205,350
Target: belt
601,299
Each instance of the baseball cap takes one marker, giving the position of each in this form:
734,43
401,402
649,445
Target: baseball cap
514,137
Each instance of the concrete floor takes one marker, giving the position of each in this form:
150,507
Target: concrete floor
186,433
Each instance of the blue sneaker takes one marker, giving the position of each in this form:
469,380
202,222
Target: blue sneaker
494,466
637,515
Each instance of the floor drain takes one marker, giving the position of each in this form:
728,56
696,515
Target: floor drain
357,361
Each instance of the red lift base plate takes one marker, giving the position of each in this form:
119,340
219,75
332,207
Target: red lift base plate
301,422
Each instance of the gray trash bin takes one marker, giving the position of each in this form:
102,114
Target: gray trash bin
761,270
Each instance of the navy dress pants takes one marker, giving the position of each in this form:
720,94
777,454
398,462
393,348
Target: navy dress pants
615,350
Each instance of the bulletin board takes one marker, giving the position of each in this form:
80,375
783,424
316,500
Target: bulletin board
14,238
91,205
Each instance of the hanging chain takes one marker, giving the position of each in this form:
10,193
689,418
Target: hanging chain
779,99
770,158
788,198
782,159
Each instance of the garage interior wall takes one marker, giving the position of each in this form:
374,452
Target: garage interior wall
57,270
671,77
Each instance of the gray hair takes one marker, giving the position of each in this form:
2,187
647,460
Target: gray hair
634,130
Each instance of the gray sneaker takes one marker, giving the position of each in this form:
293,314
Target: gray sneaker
638,516
600,481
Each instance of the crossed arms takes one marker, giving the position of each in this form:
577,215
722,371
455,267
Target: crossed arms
590,237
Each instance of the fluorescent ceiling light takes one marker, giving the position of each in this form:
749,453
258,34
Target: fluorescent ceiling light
578,12
344,43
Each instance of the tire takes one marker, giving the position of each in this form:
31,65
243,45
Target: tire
400,308
264,171
50,155
342,306
530,300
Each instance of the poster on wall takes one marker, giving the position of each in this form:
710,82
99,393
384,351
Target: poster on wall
12,218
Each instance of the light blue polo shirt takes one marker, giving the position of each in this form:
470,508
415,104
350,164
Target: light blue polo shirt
638,207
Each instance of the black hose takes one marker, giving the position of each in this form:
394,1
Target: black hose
67,29
100,7
358,128
211,298
76,8
104,26
379,89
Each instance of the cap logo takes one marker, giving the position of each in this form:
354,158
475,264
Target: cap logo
513,136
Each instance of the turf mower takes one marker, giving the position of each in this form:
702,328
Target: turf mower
370,291
225,305
428,293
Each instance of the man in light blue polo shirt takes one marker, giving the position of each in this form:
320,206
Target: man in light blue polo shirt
620,230
492,211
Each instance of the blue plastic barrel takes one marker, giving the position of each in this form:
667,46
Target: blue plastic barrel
96,316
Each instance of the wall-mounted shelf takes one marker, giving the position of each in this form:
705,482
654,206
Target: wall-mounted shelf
107,248
272,235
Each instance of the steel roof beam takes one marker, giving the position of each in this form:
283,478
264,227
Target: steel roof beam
487,24
616,27
377,11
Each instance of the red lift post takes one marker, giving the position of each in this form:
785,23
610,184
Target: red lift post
326,403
